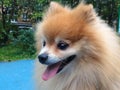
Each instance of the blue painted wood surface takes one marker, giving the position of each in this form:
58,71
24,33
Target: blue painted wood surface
17,75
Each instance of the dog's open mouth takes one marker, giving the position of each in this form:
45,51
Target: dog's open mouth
53,69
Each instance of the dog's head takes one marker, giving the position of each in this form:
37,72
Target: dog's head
64,35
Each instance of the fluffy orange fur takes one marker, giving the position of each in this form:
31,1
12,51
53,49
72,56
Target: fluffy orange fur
99,67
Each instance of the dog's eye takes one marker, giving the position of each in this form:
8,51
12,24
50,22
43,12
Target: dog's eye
44,43
62,45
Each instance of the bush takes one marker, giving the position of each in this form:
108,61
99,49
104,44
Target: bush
2,34
5,33
24,40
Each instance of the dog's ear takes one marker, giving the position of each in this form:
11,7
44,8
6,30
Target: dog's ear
85,12
54,8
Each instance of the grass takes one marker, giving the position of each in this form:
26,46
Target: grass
10,53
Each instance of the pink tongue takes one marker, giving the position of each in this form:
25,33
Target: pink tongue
51,71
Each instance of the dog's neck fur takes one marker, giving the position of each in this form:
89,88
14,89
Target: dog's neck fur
87,78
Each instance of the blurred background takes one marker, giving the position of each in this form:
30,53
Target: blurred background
18,19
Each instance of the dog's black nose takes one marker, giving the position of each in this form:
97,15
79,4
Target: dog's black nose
42,58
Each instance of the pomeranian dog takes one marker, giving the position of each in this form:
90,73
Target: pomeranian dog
76,50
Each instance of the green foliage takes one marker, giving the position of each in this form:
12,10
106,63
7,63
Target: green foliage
6,2
2,34
10,53
24,40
